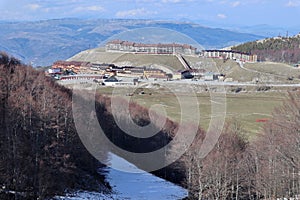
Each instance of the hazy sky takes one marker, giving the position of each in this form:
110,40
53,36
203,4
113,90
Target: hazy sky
240,12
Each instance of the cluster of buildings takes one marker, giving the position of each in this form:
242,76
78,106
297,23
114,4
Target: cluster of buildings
69,70
140,72
63,69
173,48
229,54
107,73
125,46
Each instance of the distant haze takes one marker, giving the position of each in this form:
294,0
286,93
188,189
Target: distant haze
279,13
155,35
43,42
29,32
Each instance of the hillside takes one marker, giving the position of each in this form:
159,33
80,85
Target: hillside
39,145
43,42
278,49
168,63
263,72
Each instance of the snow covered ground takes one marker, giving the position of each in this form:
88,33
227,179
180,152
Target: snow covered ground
131,186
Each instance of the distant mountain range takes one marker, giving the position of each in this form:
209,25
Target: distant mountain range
43,42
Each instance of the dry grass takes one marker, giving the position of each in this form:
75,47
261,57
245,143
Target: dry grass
245,107
99,56
278,69
168,61
264,72
96,56
229,67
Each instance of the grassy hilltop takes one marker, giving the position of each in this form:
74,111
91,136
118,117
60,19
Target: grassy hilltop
265,72
98,55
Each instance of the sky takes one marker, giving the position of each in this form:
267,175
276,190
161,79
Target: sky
280,13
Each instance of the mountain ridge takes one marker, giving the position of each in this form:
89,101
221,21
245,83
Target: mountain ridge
45,41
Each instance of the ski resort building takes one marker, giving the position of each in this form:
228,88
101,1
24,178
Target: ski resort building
229,54
125,46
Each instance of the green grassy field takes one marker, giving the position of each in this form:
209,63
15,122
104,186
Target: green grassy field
243,107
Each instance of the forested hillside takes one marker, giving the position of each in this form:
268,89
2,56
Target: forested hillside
280,49
41,154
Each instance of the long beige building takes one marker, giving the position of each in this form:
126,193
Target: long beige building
229,54
125,46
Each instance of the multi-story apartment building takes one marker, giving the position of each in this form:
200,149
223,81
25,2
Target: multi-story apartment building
229,54
125,46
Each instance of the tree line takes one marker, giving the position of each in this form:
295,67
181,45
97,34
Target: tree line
280,49
267,167
41,154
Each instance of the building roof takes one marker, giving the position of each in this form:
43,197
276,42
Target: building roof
111,79
209,74
127,43
225,51
115,42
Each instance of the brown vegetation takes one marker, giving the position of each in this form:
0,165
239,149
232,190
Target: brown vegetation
266,168
282,49
277,153
39,146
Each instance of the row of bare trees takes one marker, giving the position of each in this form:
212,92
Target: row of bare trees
40,152
267,167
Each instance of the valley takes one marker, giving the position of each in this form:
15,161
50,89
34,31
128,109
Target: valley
252,89
225,122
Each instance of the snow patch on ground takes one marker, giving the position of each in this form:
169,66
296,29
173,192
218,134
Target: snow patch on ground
86,196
